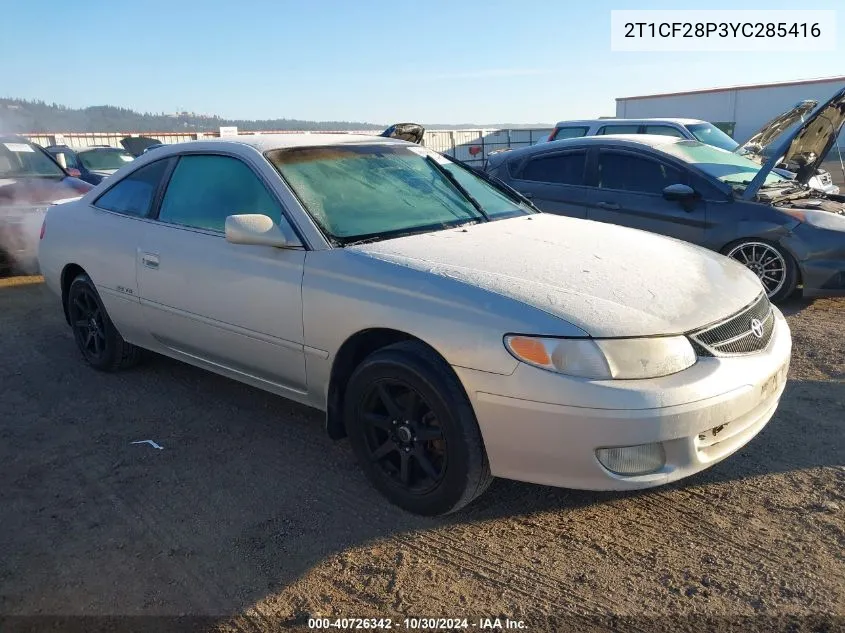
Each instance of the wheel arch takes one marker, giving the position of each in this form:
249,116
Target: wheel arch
69,273
776,240
350,354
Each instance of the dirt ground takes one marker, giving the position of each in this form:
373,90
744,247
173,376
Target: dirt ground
252,517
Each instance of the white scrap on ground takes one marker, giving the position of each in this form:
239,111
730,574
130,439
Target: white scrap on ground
150,442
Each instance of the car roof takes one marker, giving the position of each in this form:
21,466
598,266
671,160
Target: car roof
617,140
14,138
614,121
94,148
265,142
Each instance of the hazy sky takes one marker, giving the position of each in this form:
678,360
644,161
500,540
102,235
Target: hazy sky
433,61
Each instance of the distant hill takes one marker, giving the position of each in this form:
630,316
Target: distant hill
20,116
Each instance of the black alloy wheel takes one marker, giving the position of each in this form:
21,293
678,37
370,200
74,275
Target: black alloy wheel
414,431
89,329
403,435
101,344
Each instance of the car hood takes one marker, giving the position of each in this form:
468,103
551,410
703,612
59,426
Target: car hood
136,145
753,148
411,132
804,149
607,280
35,191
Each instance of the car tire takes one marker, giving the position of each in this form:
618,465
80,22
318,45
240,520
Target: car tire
414,432
763,257
98,340
7,264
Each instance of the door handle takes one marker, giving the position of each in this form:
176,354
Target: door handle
150,260
608,205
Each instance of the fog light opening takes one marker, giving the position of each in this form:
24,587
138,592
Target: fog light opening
633,460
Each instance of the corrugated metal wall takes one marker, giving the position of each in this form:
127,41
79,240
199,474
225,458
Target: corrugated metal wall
473,146
748,107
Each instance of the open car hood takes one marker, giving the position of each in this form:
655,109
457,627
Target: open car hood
804,149
411,132
136,145
754,146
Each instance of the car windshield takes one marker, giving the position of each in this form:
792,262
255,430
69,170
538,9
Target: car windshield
710,134
18,159
728,167
105,159
378,191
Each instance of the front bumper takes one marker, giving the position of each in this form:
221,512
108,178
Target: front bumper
545,428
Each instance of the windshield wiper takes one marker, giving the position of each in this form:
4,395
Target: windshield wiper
390,235
497,183
448,175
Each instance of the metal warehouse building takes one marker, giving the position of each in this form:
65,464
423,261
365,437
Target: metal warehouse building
738,110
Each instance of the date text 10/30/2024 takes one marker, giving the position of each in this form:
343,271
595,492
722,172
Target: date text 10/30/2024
420,624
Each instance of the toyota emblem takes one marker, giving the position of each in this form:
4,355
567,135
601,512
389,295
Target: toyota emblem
757,328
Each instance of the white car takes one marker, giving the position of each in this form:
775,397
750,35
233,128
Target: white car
755,148
449,329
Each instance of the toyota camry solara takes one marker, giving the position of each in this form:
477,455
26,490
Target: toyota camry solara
448,329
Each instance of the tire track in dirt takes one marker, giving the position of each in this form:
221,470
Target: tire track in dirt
552,592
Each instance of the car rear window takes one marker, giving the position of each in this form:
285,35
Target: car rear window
563,169
619,129
569,132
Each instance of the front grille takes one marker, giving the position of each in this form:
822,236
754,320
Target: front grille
735,335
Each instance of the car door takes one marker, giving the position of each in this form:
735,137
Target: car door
628,190
554,181
121,214
233,306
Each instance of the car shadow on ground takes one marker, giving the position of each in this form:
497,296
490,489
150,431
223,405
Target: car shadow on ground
248,493
795,304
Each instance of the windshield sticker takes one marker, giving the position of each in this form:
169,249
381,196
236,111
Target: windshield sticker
18,147
127,159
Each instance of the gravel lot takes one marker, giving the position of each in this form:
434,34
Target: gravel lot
253,516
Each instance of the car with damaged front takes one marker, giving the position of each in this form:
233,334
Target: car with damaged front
30,181
788,233
452,332
758,147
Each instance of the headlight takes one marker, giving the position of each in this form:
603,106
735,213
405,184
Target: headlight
603,359
818,219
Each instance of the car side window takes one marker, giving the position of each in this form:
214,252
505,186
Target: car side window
134,194
570,132
563,169
663,130
633,173
69,157
205,189
619,129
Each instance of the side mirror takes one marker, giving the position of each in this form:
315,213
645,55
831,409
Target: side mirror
73,171
680,193
260,230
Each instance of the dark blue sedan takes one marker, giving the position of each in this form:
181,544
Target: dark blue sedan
788,234
93,163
